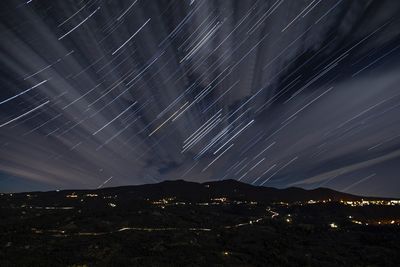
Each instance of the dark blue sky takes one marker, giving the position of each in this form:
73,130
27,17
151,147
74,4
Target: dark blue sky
275,93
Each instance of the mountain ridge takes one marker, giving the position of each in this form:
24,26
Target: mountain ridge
193,191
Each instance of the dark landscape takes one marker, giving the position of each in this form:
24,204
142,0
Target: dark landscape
183,133
179,223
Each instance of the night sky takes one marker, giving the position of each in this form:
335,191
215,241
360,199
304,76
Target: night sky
275,93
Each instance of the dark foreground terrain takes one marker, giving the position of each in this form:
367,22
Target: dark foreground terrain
179,223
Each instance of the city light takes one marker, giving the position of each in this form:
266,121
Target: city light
333,225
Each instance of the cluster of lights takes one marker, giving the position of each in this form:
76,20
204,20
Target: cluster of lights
371,202
383,222
163,201
281,203
311,201
333,225
38,231
220,199
169,201
47,208
289,218
370,222
109,197
214,201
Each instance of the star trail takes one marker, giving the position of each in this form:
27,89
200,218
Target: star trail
98,93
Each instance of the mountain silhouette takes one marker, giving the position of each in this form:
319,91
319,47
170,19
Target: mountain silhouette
192,191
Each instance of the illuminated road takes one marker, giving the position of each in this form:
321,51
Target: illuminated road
62,233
